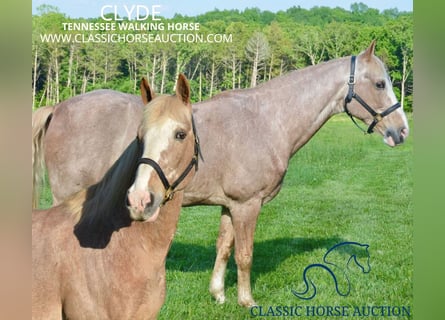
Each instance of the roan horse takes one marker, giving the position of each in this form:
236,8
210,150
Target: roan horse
247,138
92,258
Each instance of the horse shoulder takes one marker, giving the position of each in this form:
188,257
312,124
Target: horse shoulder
244,167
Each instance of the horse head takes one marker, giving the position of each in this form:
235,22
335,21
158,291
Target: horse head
168,138
371,98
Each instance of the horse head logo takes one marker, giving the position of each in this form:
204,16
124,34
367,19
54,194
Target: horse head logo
355,252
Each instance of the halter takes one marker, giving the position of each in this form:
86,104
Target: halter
352,95
170,188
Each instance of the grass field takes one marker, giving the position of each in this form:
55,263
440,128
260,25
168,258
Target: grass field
342,186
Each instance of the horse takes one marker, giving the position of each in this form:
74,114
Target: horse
247,138
101,253
356,252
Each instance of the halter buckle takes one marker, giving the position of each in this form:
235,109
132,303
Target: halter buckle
378,117
167,196
351,81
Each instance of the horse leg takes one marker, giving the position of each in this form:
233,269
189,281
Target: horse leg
244,218
224,246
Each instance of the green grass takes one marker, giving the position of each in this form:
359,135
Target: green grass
342,186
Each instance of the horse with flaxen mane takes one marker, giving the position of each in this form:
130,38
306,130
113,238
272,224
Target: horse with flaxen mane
93,258
247,138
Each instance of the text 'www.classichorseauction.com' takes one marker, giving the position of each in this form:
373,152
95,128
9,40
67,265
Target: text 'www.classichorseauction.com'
133,24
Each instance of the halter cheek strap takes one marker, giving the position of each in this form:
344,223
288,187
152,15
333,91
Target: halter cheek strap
377,117
169,188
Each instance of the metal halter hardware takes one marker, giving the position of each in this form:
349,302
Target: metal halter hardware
170,188
352,95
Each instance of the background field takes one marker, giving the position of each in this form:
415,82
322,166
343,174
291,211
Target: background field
342,186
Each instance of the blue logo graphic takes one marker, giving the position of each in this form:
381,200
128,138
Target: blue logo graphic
355,252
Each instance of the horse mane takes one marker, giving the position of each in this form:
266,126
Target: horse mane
99,210
285,79
95,203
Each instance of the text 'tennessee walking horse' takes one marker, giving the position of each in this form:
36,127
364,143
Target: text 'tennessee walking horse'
93,258
247,138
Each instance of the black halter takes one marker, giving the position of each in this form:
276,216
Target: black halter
170,188
352,95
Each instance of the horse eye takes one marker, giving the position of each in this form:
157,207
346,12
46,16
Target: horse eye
380,84
180,135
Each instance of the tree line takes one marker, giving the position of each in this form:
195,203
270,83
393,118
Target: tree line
264,45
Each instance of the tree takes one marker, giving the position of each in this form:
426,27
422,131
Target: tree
257,51
311,42
281,49
234,53
338,39
53,52
37,52
265,45
398,34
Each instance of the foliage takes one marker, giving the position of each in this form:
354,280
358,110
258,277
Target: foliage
295,38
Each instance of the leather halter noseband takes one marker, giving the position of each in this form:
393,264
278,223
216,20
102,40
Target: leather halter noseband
352,95
170,188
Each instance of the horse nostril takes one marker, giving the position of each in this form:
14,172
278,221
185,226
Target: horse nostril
152,197
396,136
148,201
139,200
404,133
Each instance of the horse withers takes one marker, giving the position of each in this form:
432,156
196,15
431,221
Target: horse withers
92,258
247,138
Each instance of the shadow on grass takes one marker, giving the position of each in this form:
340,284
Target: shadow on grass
268,255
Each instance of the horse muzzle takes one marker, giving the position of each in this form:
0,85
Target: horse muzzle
143,205
393,137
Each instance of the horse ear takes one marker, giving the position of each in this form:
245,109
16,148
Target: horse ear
147,93
370,51
183,89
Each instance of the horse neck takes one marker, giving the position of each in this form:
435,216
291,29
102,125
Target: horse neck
305,99
159,234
